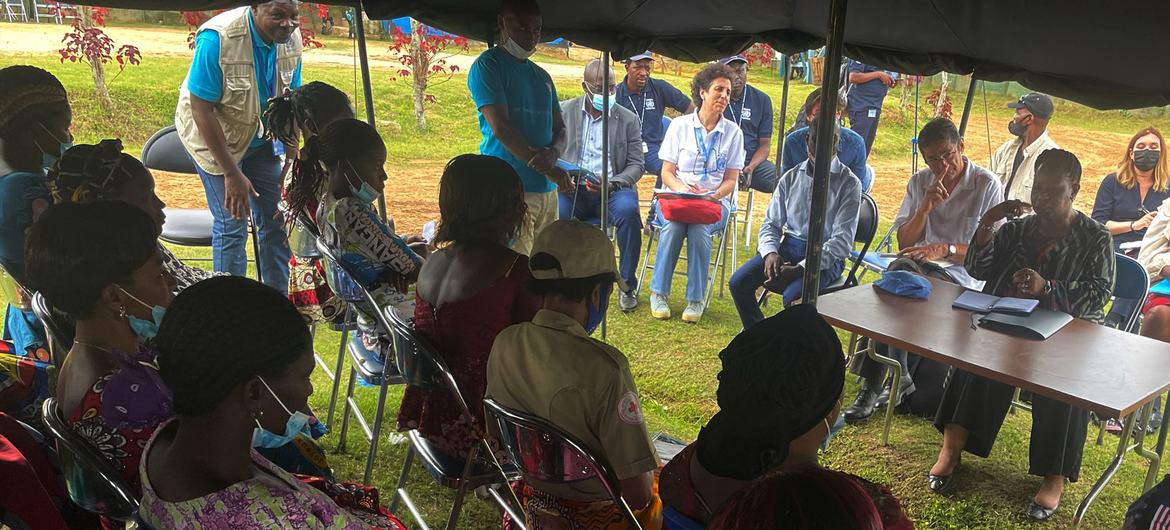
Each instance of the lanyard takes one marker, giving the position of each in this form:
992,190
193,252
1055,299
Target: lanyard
642,115
704,150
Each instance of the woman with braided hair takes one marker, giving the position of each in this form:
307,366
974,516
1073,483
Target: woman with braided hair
347,161
87,173
245,382
779,391
302,114
34,130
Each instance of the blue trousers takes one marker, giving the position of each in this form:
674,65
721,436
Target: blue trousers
623,215
765,178
229,236
670,240
865,126
750,276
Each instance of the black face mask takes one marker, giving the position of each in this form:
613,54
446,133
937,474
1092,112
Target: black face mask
1146,159
1017,128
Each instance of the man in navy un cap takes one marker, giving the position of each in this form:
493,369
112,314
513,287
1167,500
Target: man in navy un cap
648,98
751,110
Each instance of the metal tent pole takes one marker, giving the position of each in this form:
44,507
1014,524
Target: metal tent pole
967,106
367,87
605,76
820,193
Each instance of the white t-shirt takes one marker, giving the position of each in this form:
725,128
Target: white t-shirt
703,165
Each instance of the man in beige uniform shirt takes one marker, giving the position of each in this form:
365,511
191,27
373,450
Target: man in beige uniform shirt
551,368
1015,161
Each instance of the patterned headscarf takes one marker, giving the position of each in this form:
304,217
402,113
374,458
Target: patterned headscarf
23,87
87,173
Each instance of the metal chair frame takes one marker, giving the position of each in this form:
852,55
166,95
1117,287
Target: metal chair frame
82,464
718,265
382,379
510,421
422,366
59,333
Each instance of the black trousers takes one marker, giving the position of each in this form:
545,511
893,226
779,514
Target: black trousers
980,405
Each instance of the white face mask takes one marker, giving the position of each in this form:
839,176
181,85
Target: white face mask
516,50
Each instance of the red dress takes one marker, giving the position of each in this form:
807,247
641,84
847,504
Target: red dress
463,332
122,447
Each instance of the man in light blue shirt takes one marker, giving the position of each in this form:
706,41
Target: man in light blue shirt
519,114
779,264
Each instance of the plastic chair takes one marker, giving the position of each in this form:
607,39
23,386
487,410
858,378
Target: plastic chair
422,366
548,455
59,329
185,227
718,264
366,364
92,482
867,223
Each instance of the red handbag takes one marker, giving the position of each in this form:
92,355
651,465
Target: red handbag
690,210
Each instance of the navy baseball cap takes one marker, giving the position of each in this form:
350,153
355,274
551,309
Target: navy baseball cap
1036,103
644,55
732,59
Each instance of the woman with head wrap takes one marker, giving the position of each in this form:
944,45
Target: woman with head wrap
34,130
779,391
88,173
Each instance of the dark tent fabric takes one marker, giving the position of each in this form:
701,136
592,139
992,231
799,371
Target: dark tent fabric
1102,54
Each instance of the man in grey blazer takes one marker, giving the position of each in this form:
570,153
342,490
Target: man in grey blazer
582,147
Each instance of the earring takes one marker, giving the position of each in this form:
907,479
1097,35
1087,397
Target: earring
258,414
122,311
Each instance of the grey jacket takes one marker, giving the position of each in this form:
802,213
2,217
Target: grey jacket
625,140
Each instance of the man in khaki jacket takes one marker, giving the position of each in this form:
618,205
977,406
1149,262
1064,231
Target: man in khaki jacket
243,58
1015,161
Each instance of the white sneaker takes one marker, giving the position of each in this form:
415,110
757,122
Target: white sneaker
693,313
627,301
658,307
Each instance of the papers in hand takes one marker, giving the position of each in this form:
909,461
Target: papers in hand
683,194
1130,245
985,303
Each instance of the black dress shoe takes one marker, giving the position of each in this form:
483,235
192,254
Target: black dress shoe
1036,512
907,388
939,483
862,407
1155,422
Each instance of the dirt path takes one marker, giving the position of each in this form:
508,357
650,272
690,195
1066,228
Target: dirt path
165,40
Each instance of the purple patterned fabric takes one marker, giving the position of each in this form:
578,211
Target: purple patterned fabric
136,395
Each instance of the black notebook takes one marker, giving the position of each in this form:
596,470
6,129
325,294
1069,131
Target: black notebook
1040,324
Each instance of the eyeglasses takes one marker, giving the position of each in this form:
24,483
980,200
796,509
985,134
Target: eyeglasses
936,160
597,90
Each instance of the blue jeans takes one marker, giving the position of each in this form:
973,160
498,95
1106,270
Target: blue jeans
623,215
670,240
750,276
229,236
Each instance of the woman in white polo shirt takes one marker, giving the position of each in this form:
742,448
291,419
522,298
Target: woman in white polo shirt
701,153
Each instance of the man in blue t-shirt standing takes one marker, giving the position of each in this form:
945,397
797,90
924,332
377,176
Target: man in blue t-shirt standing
869,87
519,115
751,110
648,98
243,58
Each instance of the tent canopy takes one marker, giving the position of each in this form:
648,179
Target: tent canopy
1088,51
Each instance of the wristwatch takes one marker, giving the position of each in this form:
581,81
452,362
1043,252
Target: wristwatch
1047,290
951,250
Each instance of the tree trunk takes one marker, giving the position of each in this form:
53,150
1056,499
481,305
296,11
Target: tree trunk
95,65
420,69
940,104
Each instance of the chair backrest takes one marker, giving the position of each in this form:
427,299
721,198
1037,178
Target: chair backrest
14,294
1131,286
165,152
867,225
544,453
303,236
92,482
58,328
338,276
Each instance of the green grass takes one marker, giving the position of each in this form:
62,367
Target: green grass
674,364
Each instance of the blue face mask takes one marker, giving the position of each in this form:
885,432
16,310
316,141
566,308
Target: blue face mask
145,329
365,193
597,313
599,102
297,424
47,158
